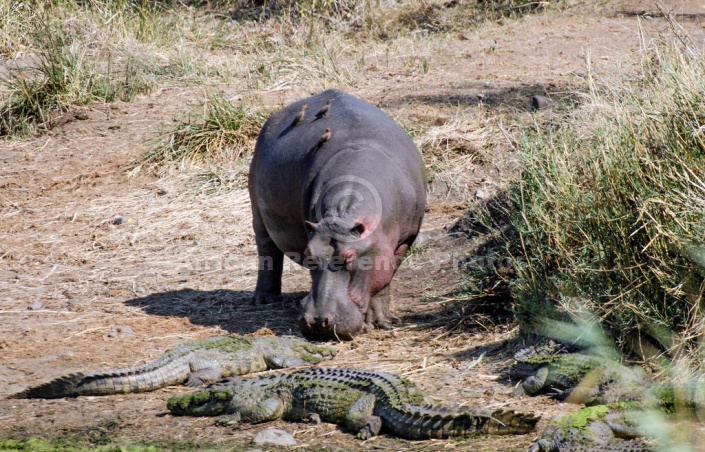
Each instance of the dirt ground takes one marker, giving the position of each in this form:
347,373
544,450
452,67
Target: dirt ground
78,292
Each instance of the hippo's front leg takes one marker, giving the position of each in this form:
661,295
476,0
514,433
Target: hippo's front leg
379,314
270,263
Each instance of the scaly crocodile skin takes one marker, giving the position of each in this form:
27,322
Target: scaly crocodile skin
364,401
195,363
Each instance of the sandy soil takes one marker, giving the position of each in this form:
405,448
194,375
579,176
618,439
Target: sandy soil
78,292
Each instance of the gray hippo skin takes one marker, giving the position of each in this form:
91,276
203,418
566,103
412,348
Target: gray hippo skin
340,188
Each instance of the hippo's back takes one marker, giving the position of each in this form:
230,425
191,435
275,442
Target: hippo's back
315,140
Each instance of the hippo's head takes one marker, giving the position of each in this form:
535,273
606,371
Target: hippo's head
350,260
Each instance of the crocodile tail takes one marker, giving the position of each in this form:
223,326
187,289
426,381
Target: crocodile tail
438,422
169,369
136,379
510,422
61,387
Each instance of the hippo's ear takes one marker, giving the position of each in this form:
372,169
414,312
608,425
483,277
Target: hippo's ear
311,226
358,229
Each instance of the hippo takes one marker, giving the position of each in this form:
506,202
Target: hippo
337,186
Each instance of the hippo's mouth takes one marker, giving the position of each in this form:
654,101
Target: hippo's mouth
341,324
317,333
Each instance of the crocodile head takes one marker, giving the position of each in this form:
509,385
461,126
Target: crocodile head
280,354
230,396
208,402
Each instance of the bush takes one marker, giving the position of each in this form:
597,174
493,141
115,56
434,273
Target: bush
609,213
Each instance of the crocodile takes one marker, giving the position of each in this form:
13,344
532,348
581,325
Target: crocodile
574,377
611,427
612,393
195,363
365,402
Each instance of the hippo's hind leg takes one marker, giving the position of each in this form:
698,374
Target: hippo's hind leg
379,313
270,263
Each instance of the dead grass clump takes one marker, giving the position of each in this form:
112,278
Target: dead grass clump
300,64
454,146
495,9
223,132
366,19
607,199
63,75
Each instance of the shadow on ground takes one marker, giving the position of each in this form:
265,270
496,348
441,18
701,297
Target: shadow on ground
650,15
514,97
227,309
232,311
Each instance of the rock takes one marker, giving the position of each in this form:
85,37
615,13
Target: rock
480,194
539,102
275,437
118,220
120,329
35,305
422,238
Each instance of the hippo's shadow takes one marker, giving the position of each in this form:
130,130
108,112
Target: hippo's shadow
493,358
229,309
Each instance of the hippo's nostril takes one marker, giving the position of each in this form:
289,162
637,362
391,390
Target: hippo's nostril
307,320
324,322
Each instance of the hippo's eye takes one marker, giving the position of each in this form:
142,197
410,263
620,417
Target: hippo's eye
347,256
358,230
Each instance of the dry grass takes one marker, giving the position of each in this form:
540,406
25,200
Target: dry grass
179,266
221,132
67,54
454,149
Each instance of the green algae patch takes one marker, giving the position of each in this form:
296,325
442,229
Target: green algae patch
416,396
313,353
229,344
582,418
211,402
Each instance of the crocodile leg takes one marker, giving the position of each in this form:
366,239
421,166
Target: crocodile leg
535,383
360,418
269,409
203,371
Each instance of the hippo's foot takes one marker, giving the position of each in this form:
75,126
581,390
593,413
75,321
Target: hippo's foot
261,298
387,324
379,314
